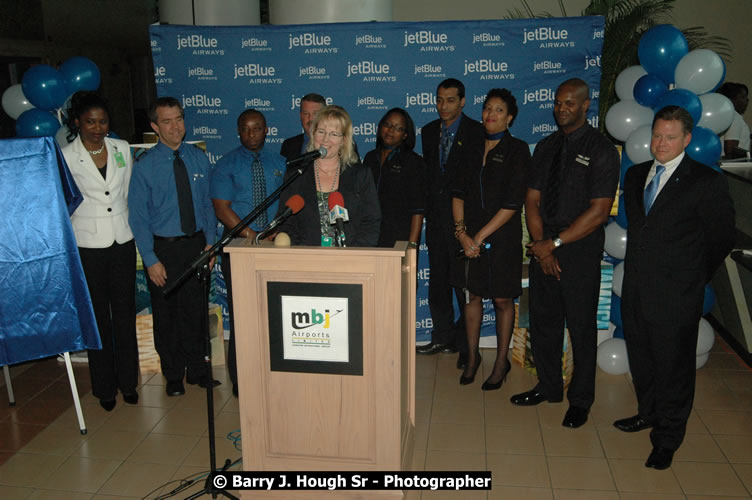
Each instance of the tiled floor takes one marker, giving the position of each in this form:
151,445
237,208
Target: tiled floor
134,450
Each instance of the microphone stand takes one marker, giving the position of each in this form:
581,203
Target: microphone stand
200,267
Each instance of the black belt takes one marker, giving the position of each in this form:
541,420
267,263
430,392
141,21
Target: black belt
178,238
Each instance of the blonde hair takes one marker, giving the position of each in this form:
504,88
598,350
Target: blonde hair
340,116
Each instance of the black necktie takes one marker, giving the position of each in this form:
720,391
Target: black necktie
258,185
551,193
185,199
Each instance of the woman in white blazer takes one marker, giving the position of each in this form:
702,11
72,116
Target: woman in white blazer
101,167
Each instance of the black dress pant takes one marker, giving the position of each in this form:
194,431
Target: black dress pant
662,362
180,318
232,363
572,300
111,278
441,253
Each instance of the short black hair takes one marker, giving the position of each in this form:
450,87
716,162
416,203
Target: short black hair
671,113
249,112
164,102
409,143
312,97
506,96
81,102
452,83
733,90
577,83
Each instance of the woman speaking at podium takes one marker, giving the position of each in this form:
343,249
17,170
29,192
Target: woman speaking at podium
340,176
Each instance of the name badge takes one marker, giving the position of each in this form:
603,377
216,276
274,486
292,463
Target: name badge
585,160
119,159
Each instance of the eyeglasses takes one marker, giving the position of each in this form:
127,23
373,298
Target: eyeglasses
321,133
392,126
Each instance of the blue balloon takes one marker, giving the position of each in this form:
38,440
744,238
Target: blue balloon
618,332
616,310
708,300
705,147
723,76
648,89
684,99
660,49
36,123
80,73
43,86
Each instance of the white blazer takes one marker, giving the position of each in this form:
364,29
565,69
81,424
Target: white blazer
102,218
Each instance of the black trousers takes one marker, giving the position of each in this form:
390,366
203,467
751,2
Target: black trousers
111,278
441,253
232,363
180,318
662,362
573,301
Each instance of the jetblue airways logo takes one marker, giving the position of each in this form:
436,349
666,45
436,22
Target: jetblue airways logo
428,70
592,62
160,75
295,101
365,129
548,67
371,102
207,105
312,43
255,44
488,39
257,73
493,70
313,72
201,73
428,41
547,37
543,96
370,41
371,71
421,99
200,45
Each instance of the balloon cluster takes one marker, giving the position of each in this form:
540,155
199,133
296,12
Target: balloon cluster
668,74
43,90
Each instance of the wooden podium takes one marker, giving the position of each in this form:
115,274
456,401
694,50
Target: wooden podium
309,402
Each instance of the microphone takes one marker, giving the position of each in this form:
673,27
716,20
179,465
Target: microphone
307,157
338,215
293,205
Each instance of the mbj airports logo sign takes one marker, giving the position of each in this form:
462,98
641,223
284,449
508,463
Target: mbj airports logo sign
315,328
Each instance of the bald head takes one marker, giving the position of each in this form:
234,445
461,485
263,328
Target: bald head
571,104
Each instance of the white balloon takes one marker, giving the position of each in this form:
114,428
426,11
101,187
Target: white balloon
699,71
625,117
701,360
638,144
626,80
705,337
618,279
15,102
717,112
616,241
612,357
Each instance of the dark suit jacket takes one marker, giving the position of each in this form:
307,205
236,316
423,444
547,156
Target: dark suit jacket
291,147
674,250
361,201
470,139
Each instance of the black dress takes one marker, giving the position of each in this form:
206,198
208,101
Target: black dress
400,183
486,189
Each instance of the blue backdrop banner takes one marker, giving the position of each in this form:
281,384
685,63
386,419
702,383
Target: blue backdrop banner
368,68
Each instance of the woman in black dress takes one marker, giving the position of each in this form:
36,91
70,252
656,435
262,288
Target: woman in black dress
399,174
486,205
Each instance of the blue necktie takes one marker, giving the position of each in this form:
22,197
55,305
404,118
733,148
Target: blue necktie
652,189
444,147
258,186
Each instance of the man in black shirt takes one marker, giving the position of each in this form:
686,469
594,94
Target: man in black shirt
573,180
295,146
449,144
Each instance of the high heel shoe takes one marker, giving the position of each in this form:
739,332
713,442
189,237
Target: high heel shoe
469,380
492,386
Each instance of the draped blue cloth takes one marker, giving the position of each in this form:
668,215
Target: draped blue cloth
45,308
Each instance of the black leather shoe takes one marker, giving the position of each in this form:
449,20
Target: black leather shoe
469,380
529,398
235,390
493,386
660,458
130,397
107,404
632,424
431,348
575,417
461,361
175,388
203,382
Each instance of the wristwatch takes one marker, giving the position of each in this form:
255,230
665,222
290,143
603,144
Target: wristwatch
557,241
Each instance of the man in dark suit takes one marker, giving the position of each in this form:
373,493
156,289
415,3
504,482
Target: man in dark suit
448,144
295,146
681,227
